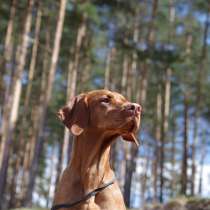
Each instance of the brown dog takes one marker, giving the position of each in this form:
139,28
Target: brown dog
96,118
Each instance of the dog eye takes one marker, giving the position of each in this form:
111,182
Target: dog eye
105,100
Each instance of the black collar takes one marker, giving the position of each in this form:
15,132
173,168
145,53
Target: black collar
86,197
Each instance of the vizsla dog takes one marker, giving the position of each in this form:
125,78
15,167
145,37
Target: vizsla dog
96,118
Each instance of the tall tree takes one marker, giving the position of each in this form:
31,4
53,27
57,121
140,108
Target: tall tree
202,159
30,143
157,142
166,101
164,126
131,164
184,177
131,69
24,123
45,99
8,48
173,156
12,106
72,83
108,68
199,93
150,41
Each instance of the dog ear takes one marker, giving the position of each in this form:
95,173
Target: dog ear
75,115
130,137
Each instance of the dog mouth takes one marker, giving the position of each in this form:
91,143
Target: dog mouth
130,123
129,134
131,126
134,124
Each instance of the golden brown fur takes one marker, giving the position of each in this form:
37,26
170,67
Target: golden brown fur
97,118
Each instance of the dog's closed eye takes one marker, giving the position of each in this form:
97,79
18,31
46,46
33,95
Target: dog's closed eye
105,100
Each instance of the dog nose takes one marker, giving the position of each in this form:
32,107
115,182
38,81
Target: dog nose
134,107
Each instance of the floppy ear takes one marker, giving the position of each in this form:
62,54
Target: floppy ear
75,114
130,137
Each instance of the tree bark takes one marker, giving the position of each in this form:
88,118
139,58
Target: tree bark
86,73
58,165
71,85
51,178
198,101
166,103
32,147
184,177
173,157
150,39
44,101
129,168
24,122
131,163
30,144
145,178
164,127
157,144
124,74
134,56
7,56
107,69
203,155
13,105
151,29
10,92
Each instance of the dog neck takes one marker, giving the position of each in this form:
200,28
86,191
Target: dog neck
88,169
90,159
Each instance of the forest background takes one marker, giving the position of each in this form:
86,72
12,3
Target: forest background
155,52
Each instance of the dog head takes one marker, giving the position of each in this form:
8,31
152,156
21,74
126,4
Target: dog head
103,110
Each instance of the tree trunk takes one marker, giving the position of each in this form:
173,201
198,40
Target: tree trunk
51,178
8,48
173,157
198,102
166,104
59,165
150,39
129,83
157,144
44,101
129,168
131,163
185,147
164,127
29,147
12,106
32,147
12,99
25,108
203,155
71,86
124,74
86,73
134,58
109,83
145,178
124,147
151,29
131,71
107,69
143,84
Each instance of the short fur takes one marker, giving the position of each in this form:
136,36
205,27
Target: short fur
96,118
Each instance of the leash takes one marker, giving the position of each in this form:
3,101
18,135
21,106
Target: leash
86,197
